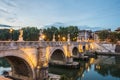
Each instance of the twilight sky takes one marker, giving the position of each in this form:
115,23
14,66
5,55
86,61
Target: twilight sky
93,13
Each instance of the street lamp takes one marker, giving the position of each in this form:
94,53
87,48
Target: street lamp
43,36
63,38
11,31
58,37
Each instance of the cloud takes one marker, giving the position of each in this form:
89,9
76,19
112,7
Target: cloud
11,19
8,16
4,11
10,3
8,10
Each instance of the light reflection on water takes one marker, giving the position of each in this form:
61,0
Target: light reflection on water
103,68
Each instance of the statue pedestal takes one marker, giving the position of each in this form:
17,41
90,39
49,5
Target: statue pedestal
53,40
20,39
41,39
69,60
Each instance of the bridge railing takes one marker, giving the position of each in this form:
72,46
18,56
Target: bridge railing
58,43
17,44
30,43
76,43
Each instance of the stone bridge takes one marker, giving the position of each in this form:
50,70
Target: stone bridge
29,59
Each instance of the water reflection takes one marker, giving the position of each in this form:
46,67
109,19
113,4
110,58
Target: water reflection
109,69
102,68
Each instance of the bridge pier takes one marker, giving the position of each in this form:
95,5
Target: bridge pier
41,73
42,66
69,60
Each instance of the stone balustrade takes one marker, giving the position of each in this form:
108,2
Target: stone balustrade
18,44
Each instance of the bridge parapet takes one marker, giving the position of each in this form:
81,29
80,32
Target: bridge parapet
53,43
77,43
74,43
36,43
15,44
18,44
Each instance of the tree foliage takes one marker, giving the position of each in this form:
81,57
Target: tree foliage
4,34
61,32
30,34
110,36
15,35
103,35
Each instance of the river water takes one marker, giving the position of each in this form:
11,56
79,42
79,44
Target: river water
102,68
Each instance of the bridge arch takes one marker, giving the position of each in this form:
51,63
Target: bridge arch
58,54
75,51
21,64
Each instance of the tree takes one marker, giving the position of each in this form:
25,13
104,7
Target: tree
49,33
4,34
73,30
103,35
30,34
113,36
15,35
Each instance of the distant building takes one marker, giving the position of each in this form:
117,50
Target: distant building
84,35
118,29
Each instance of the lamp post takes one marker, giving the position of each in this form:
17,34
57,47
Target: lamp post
11,31
58,37
43,36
